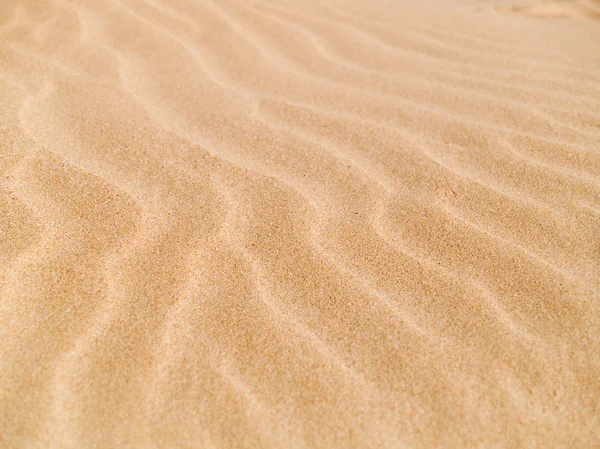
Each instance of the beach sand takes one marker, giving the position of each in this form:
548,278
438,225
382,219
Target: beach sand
299,224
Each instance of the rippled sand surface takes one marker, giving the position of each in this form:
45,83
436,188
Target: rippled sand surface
299,224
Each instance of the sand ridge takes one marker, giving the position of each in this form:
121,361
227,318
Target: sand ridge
299,224
587,9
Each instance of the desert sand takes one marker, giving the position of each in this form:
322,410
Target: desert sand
299,224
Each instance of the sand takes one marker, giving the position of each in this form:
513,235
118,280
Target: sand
299,224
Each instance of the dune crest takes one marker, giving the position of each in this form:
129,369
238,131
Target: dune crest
346,224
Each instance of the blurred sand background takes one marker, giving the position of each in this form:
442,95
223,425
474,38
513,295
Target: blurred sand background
299,224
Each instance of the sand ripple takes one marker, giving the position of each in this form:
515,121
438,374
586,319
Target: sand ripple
296,224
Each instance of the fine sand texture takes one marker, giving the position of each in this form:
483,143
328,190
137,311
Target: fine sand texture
299,224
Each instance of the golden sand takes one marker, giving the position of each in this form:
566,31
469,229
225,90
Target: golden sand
299,224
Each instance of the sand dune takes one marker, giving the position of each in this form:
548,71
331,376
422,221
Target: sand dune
341,224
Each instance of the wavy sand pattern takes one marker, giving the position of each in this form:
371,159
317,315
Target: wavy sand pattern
345,224
588,9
